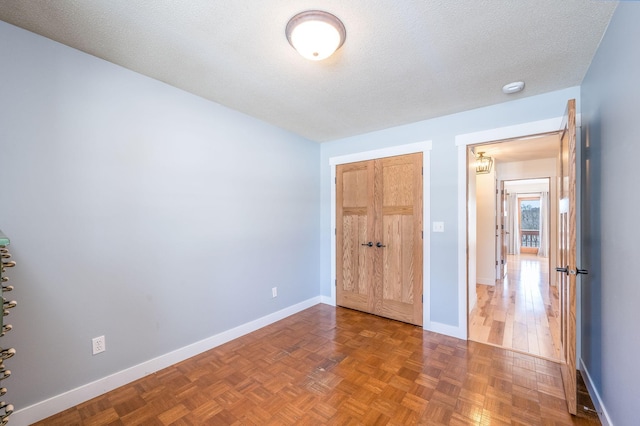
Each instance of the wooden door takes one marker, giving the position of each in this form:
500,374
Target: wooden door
567,254
379,237
399,259
355,221
501,232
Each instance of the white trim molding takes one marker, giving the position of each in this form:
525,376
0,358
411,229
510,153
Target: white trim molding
425,149
73,397
516,131
595,396
462,141
449,330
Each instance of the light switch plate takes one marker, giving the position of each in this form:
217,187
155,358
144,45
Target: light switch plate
438,226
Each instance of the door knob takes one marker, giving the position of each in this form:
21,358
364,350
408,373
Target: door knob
379,244
582,271
565,270
369,244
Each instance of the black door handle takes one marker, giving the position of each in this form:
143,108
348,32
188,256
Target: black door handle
379,244
568,271
369,244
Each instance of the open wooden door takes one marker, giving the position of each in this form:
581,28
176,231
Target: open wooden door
567,254
501,231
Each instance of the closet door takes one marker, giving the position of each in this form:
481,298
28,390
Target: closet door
399,261
354,235
379,237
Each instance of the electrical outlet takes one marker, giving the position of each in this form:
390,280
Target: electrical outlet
98,344
274,292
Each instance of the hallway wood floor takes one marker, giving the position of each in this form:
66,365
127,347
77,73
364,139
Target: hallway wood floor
520,313
328,365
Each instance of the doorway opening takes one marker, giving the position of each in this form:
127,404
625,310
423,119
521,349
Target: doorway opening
512,219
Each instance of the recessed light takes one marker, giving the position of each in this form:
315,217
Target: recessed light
514,87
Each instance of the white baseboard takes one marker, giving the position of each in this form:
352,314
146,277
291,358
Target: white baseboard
595,396
446,329
486,281
327,300
73,397
436,327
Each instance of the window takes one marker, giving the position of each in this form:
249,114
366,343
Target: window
529,224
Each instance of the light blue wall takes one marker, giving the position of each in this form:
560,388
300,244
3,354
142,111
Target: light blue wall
139,212
444,186
611,149
158,218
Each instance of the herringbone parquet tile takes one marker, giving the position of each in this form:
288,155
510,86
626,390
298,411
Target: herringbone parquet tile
336,366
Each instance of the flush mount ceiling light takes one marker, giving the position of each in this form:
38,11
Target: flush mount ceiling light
315,34
483,164
514,87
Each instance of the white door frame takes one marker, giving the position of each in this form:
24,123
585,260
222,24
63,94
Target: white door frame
462,141
425,149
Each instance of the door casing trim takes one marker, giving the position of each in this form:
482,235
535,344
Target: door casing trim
423,147
462,141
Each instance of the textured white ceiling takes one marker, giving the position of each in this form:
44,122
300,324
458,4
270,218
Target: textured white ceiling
403,61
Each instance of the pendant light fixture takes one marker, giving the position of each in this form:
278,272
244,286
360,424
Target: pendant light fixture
315,34
483,164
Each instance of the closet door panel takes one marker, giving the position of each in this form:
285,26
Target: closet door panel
401,224
398,259
355,279
354,220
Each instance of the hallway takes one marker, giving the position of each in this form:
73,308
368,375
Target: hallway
520,312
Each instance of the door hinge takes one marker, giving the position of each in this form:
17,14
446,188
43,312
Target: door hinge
422,171
496,263
422,234
336,283
423,298
335,180
335,231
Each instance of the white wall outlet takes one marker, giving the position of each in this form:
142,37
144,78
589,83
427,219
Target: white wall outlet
438,226
98,344
274,292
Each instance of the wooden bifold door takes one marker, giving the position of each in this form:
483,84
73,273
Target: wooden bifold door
379,237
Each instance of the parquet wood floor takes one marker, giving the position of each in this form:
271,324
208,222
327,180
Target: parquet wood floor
521,312
328,365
